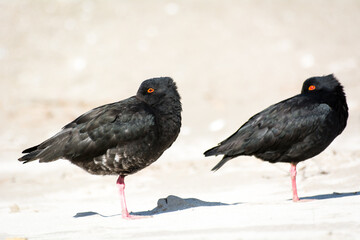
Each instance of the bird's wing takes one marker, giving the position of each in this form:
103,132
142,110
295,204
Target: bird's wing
96,131
278,126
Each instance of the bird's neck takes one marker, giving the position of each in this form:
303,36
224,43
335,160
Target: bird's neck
337,101
341,107
168,108
169,121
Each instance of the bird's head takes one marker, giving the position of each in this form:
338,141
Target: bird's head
322,86
157,91
326,89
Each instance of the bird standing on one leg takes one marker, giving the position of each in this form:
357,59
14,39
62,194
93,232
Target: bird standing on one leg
292,130
119,138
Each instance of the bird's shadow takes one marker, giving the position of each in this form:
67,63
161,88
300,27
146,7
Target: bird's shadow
331,195
164,205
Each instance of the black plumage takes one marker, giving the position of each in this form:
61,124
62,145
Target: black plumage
119,138
292,130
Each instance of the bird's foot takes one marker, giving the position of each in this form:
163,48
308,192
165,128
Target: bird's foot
296,199
303,200
128,216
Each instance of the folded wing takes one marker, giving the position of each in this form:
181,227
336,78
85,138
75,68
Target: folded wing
96,131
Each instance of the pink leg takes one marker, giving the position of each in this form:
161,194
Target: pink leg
293,181
124,213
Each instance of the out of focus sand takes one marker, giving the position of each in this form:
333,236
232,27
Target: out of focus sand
230,59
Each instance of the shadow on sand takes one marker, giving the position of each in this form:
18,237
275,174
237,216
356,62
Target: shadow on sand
331,195
164,205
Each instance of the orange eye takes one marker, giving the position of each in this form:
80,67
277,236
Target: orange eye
150,90
311,87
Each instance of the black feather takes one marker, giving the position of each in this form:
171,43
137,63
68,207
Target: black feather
221,163
28,150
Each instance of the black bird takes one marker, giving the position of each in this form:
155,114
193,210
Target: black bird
292,130
119,138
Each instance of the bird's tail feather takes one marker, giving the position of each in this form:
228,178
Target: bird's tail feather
216,151
31,154
29,150
48,151
221,163
47,154
211,152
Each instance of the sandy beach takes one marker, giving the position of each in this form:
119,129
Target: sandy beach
230,59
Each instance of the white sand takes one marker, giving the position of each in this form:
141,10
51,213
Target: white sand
230,59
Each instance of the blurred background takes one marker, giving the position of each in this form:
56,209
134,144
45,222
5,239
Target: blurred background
230,60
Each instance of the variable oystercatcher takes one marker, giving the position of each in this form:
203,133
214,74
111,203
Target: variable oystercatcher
293,130
119,138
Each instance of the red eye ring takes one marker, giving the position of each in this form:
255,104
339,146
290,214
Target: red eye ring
150,90
311,87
